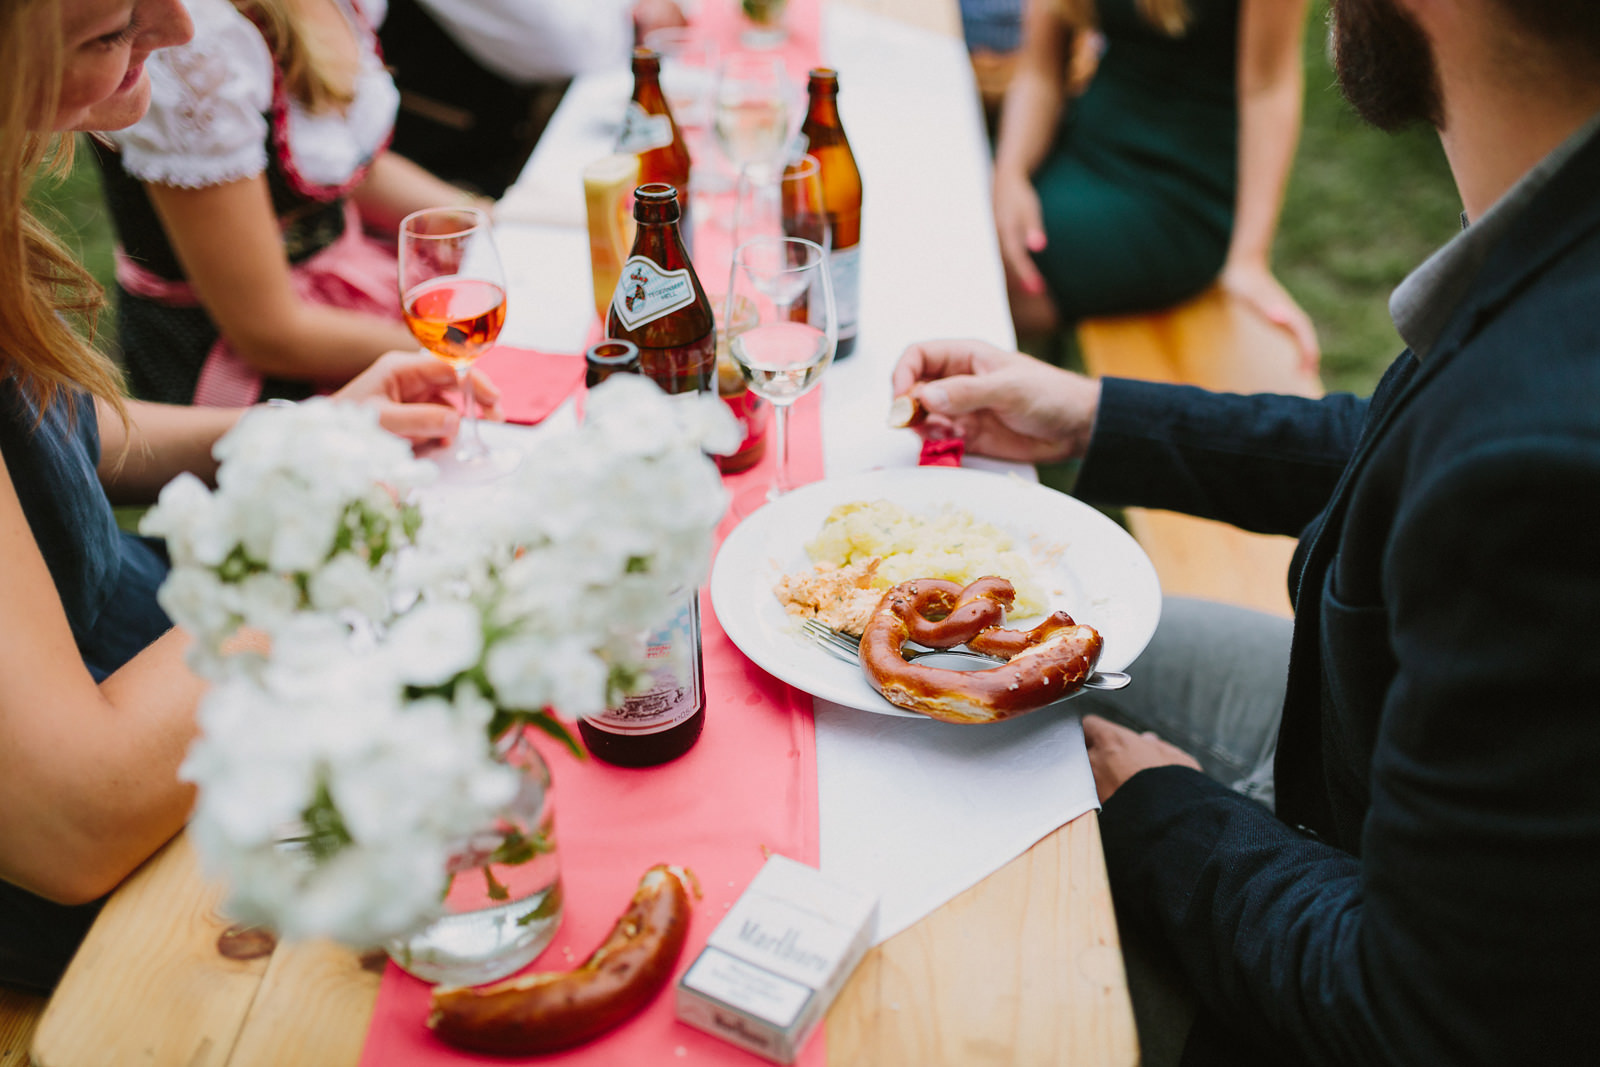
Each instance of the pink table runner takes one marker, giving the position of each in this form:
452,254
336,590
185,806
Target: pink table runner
748,787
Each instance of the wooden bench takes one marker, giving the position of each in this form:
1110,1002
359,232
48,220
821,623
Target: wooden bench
1214,342
19,1017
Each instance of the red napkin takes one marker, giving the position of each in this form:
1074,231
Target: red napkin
945,452
532,384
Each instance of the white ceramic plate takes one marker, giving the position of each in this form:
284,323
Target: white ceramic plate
1088,565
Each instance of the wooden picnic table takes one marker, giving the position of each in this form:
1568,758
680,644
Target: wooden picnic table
1023,968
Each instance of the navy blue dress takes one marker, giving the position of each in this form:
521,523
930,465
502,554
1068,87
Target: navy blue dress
107,580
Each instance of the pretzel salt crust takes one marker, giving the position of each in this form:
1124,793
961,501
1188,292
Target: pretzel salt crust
1042,665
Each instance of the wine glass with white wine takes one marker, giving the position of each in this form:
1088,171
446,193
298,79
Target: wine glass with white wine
782,354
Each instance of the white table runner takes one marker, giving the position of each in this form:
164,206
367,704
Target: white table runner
916,811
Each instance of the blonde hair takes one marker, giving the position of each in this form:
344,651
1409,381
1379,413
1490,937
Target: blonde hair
42,285
309,74
1171,17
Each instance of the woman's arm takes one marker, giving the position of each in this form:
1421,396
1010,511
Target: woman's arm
1271,86
227,239
88,774
411,390
1028,118
395,187
158,442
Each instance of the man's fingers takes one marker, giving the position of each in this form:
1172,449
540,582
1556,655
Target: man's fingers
1098,731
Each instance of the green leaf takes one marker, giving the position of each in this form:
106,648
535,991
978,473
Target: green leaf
558,730
547,907
517,848
496,890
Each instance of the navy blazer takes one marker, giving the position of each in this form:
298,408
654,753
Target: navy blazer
1429,892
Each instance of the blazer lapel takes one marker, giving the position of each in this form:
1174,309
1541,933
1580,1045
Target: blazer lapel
1565,212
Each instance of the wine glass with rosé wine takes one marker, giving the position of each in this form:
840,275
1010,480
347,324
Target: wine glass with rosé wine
453,293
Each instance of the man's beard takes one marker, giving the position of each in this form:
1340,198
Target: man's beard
1385,64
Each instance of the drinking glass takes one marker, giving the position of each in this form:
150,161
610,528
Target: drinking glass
688,73
794,329
800,202
453,293
751,120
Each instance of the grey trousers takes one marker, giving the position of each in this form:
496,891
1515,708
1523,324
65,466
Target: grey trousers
1211,681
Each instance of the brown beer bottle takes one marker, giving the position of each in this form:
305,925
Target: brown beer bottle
608,357
664,721
659,304
650,132
841,197
660,308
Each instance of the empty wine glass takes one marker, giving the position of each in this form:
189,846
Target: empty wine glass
453,293
688,73
784,281
751,120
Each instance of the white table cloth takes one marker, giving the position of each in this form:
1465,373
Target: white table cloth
916,811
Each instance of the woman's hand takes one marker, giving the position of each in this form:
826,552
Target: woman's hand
1254,284
1003,404
411,390
1019,223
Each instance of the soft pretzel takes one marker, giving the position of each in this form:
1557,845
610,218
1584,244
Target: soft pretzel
1041,666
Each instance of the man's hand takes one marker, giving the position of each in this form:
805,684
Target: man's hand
1117,753
1003,404
411,390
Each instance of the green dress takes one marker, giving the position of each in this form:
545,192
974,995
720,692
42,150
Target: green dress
1138,189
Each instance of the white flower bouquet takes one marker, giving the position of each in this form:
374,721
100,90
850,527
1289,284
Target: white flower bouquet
369,645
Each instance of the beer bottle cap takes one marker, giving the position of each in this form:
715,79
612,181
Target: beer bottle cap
607,357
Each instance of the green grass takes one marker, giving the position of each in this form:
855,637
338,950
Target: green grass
73,205
1362,209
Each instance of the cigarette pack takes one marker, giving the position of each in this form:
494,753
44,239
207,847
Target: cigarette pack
778,958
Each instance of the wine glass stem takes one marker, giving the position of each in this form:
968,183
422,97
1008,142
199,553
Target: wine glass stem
741,189
780,438
471,441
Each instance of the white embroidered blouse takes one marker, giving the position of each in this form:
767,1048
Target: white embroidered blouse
210,102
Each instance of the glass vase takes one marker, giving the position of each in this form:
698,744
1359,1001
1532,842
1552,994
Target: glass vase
503,903
766,28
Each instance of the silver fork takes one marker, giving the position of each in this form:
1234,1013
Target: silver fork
847,647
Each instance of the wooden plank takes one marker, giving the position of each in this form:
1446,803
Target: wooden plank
1023,968
1212,341
314,1007
1217,343
150,973
19,1018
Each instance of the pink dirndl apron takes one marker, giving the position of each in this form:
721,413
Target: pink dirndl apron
356,272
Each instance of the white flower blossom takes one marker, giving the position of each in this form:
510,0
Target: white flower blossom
362,647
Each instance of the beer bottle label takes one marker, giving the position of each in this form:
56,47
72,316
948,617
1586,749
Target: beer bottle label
844,267
642,131
674,691
646,292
